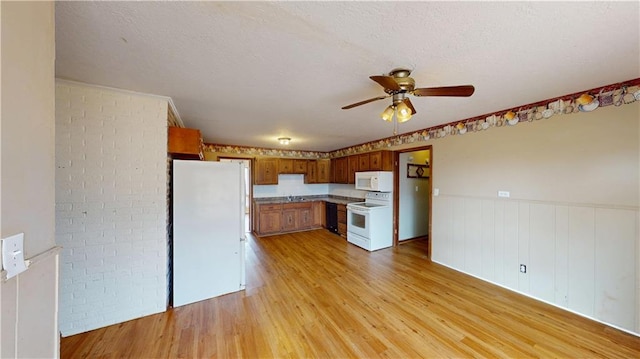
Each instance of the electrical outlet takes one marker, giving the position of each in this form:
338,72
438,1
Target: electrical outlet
504,194
523,268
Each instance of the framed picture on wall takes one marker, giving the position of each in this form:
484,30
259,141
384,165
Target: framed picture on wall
417,171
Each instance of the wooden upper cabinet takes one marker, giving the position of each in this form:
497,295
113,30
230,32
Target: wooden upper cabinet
323,171
266,171
285,165
353,168
342,170
300,166
381,161
312,172
334,170
363,162
185,143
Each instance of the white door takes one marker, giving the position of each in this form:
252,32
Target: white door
208,235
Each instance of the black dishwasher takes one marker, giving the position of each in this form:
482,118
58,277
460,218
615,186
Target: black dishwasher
332,217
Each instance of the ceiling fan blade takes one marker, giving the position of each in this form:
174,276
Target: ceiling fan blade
387,82
461,91
410,105
363,102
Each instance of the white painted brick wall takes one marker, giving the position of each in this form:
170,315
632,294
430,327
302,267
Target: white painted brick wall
111,193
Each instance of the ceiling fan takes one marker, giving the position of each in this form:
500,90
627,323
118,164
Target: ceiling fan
398,84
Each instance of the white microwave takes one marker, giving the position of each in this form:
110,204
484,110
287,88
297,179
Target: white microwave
380,181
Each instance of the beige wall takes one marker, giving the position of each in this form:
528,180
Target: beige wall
572,217
29,300
589,158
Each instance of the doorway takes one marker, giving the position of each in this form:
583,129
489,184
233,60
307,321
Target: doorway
248,188
413,200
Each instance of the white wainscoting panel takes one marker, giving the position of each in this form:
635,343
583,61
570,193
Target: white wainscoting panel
614,269
487,221
579,257
541,269
581,260
472,218
562,256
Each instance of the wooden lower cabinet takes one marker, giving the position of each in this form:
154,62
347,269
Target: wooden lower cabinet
288,217
319,214
269,218
342,220
305,219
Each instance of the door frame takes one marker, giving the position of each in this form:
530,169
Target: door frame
396,195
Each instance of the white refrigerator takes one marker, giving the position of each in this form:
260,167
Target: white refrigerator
208,230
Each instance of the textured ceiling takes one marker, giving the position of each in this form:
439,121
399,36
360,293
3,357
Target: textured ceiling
245,73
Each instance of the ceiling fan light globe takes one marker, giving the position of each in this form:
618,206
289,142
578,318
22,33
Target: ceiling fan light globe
404,112
387,114
402,119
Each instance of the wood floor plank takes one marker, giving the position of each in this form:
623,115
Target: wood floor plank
313,295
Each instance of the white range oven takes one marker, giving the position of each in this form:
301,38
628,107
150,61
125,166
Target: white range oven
370,223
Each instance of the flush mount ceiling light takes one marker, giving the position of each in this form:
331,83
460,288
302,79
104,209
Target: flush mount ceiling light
284,140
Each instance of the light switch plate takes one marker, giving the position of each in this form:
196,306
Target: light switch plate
504,194
13,255
436,191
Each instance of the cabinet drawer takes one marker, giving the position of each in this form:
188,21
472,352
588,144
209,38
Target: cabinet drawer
342,217
270,207
297,205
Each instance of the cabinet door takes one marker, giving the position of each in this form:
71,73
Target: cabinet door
332,173
323,171
342,168
270,222
375,161
266,171
312,172
185,143
285,165
318,214
381,161
305,219
342,220
300,166
289,219
363,162
353,168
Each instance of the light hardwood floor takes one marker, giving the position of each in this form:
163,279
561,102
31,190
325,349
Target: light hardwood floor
313,295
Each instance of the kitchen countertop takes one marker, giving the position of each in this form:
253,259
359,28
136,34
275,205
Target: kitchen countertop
302,199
